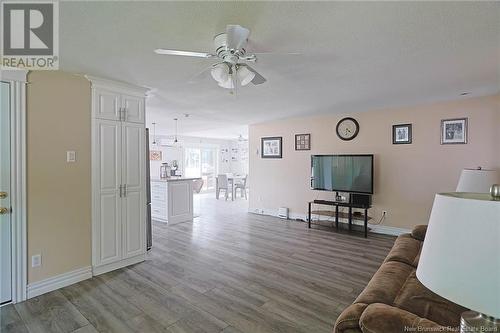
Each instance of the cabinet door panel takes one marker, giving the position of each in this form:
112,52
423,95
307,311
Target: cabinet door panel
133,229
107,158
107,104
110,229
134,108
180,201
133,177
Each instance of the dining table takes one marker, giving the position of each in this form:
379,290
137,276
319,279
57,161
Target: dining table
231,179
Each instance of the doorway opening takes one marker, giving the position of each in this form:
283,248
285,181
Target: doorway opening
13,253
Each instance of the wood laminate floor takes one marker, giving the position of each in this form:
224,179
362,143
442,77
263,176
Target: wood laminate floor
229,271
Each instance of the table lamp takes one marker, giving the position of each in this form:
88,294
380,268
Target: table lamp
460,258
477,180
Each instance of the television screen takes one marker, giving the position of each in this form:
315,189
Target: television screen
342,173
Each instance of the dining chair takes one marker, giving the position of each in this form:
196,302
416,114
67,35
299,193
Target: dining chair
222,184
242,186
197,185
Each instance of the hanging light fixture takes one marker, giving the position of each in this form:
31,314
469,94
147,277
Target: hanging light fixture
154,143
175,138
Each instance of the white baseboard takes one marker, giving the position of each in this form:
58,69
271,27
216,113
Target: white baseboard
59,281
98,270
378,229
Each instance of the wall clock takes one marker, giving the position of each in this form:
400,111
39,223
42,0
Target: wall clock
347,128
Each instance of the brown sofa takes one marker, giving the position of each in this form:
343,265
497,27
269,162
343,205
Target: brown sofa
395,301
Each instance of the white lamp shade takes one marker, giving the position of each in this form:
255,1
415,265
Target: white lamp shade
220,73
245,76
477,181
460,258
228,84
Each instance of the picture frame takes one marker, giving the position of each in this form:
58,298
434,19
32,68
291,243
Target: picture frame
271,147
454,131
155,155
302,141
402,134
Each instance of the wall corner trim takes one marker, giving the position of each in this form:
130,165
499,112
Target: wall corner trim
59,281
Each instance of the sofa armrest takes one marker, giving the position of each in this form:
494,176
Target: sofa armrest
383,318
419,232
348,321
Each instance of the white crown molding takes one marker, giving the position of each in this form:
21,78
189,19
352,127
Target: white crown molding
97,82
378,229
59,281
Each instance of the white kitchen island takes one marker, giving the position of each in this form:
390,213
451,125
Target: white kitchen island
172,199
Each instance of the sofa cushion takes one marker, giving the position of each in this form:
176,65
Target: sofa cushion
386,283
406,249
416,298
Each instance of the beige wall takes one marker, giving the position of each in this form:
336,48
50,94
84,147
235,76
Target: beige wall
58,193
406,176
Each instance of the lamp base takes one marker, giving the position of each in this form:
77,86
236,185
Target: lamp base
472,321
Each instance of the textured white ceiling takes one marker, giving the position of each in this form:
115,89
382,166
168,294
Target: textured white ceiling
355,56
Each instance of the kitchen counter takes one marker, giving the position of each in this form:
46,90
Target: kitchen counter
172,199
174,179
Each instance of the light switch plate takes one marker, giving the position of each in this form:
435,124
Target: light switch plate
70,156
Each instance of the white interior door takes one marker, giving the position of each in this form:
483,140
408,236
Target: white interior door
134,201
108,201
5,191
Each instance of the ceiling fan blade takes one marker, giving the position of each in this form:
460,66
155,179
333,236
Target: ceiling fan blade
201,75
236,36
277,53
184,53
258,79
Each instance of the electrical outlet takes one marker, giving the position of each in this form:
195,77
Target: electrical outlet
36,260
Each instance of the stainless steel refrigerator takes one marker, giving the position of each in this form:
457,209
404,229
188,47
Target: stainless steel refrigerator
149,233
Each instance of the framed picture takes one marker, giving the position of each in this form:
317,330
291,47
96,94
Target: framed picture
155,155
271,147
302,141
401,134
454,131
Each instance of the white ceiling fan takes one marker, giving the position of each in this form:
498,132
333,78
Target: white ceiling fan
230,50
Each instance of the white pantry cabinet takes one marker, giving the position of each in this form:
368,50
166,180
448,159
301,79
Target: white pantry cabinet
118,175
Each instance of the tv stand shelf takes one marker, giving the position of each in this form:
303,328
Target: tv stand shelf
350,216
342,215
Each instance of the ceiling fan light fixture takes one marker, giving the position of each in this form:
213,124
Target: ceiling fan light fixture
245,76
220,72
228,84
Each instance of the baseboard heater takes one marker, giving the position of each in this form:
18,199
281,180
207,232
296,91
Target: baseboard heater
283,213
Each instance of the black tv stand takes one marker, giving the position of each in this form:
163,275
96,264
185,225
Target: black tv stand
337,204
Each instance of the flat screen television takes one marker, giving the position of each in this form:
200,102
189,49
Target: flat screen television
342,173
